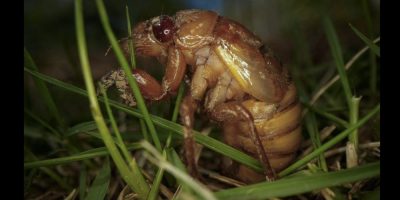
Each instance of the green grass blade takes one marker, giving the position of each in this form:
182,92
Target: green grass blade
81,127
367,41
82,182
99,187
155,187
44,124
318,93
158,159
372,56
98,136
337,56
28,178
298,185
330,143
327,115
175,113
353,137
143,130
312,129
63,184
121,143
160,173
125,66
133,64
207,141
89,154
132,162
134,179
43,90
130,40
177,162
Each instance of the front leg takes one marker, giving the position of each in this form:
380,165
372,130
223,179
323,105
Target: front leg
187,109
150,88
235,111
174,71
117,78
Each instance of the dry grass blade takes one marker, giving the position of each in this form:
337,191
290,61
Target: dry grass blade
221,178
160,161
371,145
164,189
71,195
323,88
325,132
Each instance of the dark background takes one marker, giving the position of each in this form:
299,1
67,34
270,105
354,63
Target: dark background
291,28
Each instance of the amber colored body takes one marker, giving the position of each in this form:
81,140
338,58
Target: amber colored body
232,79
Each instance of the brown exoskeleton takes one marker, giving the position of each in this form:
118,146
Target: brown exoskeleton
232,79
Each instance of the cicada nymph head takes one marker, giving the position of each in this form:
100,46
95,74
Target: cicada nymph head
152,37
163,28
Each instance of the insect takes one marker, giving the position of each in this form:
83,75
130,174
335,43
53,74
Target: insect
232,77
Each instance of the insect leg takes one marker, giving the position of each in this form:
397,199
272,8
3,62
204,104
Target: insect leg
233,111
187,109
174,71
108,80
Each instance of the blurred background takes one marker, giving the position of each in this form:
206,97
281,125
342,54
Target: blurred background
291,28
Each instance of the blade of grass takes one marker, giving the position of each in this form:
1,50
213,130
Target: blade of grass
326,115
63,184
315,139
207,141
82,182
44,124
28,179
44,91
92,153
134,179
99,187
133,64
174,158
81,127
130,40
72,195
330,143
321,90
300,184
143,130
121,143
153,194
128,74
352,145
160,173
367,41
132,162
98,136
372,57
175,113
353,137
158,159
337,55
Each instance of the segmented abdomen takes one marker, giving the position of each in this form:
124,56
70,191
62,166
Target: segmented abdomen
278,126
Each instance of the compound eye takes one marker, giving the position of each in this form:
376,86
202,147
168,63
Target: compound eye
163,28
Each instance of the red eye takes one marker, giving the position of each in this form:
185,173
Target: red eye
164,29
